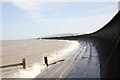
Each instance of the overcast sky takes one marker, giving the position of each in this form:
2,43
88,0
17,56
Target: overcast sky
22,19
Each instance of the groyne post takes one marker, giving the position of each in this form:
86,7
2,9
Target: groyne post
46,60
24,63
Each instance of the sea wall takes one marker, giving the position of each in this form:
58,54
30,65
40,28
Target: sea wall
107,42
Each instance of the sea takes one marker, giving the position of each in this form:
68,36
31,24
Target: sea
33,51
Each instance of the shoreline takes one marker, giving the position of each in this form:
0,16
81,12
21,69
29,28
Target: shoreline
29,47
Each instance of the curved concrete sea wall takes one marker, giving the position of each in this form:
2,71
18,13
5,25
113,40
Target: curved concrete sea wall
108,45
107,42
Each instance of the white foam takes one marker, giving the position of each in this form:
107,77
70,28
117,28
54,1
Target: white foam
65,52
36,69
29,72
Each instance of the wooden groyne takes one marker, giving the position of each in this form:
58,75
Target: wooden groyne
23,63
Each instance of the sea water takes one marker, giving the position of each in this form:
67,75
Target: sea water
34,51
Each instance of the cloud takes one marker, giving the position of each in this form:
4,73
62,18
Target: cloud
79,24
29,6
36,8
35,11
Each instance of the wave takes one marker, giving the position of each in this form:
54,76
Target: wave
37,68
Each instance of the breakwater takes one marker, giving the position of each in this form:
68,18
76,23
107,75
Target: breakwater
107,43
